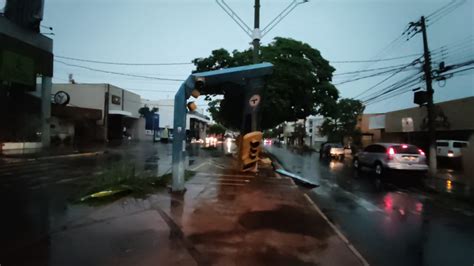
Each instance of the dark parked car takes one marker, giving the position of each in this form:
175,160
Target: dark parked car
331,150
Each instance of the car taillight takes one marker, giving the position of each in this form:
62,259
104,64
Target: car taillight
391,153
421,152
450,153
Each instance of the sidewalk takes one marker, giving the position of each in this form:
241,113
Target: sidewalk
224,218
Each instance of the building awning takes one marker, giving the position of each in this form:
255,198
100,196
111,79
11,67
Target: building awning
121,112
41,61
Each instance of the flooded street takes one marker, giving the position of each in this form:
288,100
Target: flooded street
400,221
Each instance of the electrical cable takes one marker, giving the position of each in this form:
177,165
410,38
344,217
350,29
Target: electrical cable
120,63
117,73
387,78
374,60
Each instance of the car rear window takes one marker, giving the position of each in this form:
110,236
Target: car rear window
405,149
459,145
442,144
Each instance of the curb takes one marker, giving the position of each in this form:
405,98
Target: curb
338,232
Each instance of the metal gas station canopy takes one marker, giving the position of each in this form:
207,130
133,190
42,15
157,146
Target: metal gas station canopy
209,82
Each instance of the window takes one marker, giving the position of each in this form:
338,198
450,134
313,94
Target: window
379,149
459,145
370,148
442,144
409,149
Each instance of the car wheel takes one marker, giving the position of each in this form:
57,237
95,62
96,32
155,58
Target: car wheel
379,171
356,164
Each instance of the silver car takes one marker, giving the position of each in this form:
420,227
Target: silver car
391,156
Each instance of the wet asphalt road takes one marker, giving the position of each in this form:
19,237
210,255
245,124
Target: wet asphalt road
37,195
400,222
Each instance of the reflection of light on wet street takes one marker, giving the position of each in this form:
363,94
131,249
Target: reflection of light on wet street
388,203
228,144
419,207
449,186
334,165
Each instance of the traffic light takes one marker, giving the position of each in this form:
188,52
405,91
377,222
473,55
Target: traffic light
421,97
192,106
250,149
196,92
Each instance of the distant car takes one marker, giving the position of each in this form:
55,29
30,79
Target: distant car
450,148
331,150
391,156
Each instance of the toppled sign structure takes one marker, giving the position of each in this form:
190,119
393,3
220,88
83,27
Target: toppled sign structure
248,78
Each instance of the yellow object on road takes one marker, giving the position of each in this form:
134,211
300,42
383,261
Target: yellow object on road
104,193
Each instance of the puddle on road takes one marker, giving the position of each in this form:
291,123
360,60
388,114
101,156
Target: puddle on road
286,219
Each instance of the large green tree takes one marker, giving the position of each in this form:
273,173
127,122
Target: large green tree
299,86
341,120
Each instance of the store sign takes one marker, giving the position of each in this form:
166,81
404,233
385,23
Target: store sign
407,124
116,100
17,68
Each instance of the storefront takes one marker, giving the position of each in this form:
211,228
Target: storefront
26,68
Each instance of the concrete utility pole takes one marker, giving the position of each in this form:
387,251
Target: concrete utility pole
252,93
254,90
429,105
256,32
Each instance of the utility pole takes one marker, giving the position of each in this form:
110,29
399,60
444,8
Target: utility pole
254,88
256,33
430,92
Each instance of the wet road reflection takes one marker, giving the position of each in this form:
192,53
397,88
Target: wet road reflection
399,221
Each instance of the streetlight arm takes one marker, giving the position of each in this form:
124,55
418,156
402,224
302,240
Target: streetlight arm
235,17
281,16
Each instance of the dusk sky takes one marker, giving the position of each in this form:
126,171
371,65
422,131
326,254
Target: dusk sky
162,31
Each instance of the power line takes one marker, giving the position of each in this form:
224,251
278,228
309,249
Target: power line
375,74
391,96
388,92
121,63
445,12
375,60
369,70
441,9
117,73
393,87
387,78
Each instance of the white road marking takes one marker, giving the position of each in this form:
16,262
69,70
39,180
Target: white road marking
338,232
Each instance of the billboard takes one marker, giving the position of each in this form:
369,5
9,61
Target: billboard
377,122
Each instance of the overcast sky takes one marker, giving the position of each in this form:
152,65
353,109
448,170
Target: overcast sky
162,31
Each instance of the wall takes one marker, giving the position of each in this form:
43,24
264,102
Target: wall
131,103
455,111
84,95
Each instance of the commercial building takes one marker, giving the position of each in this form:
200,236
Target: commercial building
94,112
313,131
196,123
453,121
26,68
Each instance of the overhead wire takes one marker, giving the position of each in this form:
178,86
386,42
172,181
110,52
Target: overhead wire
122,63
118,73
394,86
375,74
385,79
375,60
436,17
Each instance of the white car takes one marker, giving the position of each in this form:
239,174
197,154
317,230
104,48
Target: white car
391,156
450,148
